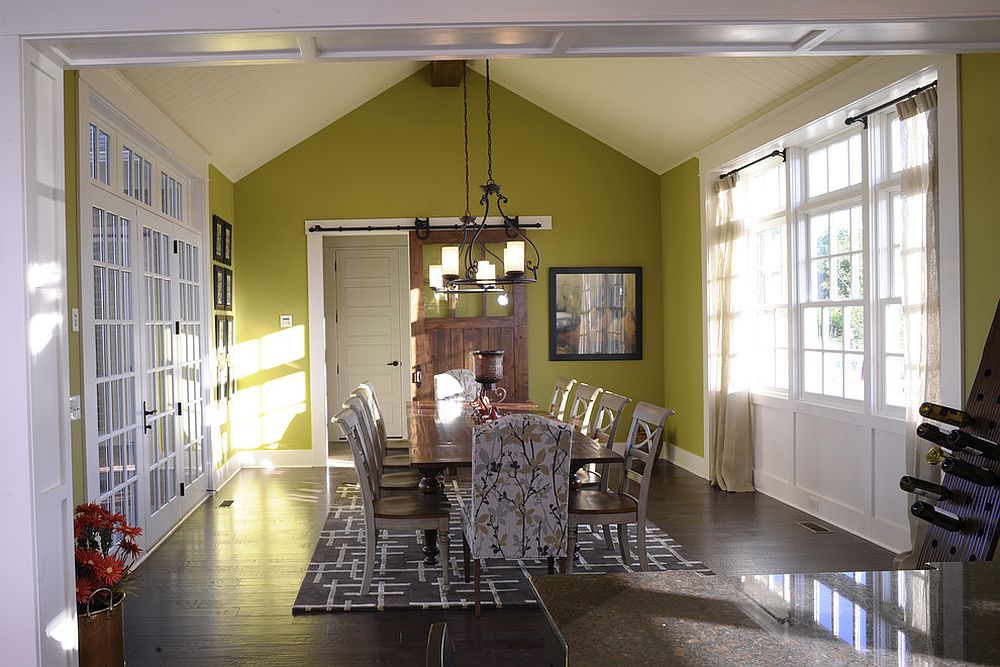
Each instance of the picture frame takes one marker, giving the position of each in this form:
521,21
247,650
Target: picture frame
595,313
227,303
222,241
219,287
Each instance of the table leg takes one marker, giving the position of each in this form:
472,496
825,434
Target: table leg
430,484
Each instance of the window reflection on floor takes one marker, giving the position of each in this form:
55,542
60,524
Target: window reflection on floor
883,613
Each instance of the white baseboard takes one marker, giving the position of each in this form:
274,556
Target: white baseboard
225,473
276,458
848,519
685,459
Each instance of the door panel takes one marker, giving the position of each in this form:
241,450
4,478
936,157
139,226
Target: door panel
369,329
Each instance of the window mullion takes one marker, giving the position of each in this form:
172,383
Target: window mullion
872,378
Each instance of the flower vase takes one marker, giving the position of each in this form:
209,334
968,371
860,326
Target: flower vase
102,636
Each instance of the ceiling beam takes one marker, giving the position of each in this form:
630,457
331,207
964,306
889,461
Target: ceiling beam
447,73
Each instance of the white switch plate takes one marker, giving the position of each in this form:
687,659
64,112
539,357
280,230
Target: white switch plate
76,320
74,408
284,321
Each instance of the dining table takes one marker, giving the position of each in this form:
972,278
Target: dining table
441,440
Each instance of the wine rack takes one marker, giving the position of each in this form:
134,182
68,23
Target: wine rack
977,506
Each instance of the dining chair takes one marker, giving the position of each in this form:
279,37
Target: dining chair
582,408
628,504
604,427
394,446
403,480
438,646
390,460
456,383
520,492
415,511
560,397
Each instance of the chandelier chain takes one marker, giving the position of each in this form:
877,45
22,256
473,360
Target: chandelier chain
489,129
465,122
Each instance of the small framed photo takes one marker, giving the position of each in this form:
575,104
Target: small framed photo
219,287
222,241
595,313
228,292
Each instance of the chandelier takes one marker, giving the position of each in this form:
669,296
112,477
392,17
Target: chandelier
468,268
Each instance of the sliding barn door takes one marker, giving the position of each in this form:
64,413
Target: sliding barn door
446,342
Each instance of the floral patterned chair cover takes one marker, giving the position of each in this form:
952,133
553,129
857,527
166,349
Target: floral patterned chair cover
456,383
519,502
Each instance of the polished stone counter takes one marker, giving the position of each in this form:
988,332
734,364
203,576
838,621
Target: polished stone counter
948,615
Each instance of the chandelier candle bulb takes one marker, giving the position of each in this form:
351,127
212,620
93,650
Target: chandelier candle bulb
513,258
436,277
449,261
485,272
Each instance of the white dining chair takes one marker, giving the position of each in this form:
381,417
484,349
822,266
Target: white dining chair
560,397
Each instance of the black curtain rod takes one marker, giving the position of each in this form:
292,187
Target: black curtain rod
863,116
774,153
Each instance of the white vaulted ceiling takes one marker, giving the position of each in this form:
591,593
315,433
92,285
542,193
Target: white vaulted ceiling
660,111
657,111
245,115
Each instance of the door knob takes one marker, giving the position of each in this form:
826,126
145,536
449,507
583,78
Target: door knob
392,363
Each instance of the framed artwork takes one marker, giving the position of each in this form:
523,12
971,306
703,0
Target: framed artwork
227,275
595,313
222,241
219,287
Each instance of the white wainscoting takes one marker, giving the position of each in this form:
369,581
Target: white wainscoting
840,466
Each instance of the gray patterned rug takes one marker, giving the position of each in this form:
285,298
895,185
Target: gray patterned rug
401,581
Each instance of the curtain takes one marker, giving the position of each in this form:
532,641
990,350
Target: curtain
920,286
732,447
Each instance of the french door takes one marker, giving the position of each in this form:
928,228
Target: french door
146,442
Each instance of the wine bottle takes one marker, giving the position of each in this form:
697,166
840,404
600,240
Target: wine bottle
934,456
962,440
936,516
922,487
933,434
940,413
970,472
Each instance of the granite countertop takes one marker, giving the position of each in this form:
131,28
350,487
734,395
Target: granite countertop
942,616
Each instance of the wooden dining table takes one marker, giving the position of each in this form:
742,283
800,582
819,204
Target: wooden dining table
441,437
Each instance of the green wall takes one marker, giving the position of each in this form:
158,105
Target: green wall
221,202
71,147
980,80
680,215
400,155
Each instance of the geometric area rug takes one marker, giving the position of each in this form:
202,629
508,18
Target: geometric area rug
332,581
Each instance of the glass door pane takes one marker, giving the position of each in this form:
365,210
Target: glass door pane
189,361
159,405
116,416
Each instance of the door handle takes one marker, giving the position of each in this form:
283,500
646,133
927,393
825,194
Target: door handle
392,363
146,426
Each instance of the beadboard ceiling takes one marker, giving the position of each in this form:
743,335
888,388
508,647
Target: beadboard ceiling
657,111
245,115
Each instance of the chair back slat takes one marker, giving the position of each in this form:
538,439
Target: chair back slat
376,409
645,439
520,487
583,406
366,430
560,397
608,416
349,422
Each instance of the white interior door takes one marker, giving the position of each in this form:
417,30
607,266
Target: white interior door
370,341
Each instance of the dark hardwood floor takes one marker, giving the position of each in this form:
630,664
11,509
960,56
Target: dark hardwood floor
219,590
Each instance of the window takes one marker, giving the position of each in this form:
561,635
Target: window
821,239
137,176
100,147
171,196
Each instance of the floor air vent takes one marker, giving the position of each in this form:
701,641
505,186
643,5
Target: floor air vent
815,528
226,503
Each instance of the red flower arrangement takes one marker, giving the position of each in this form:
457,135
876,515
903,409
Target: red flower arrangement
105,552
